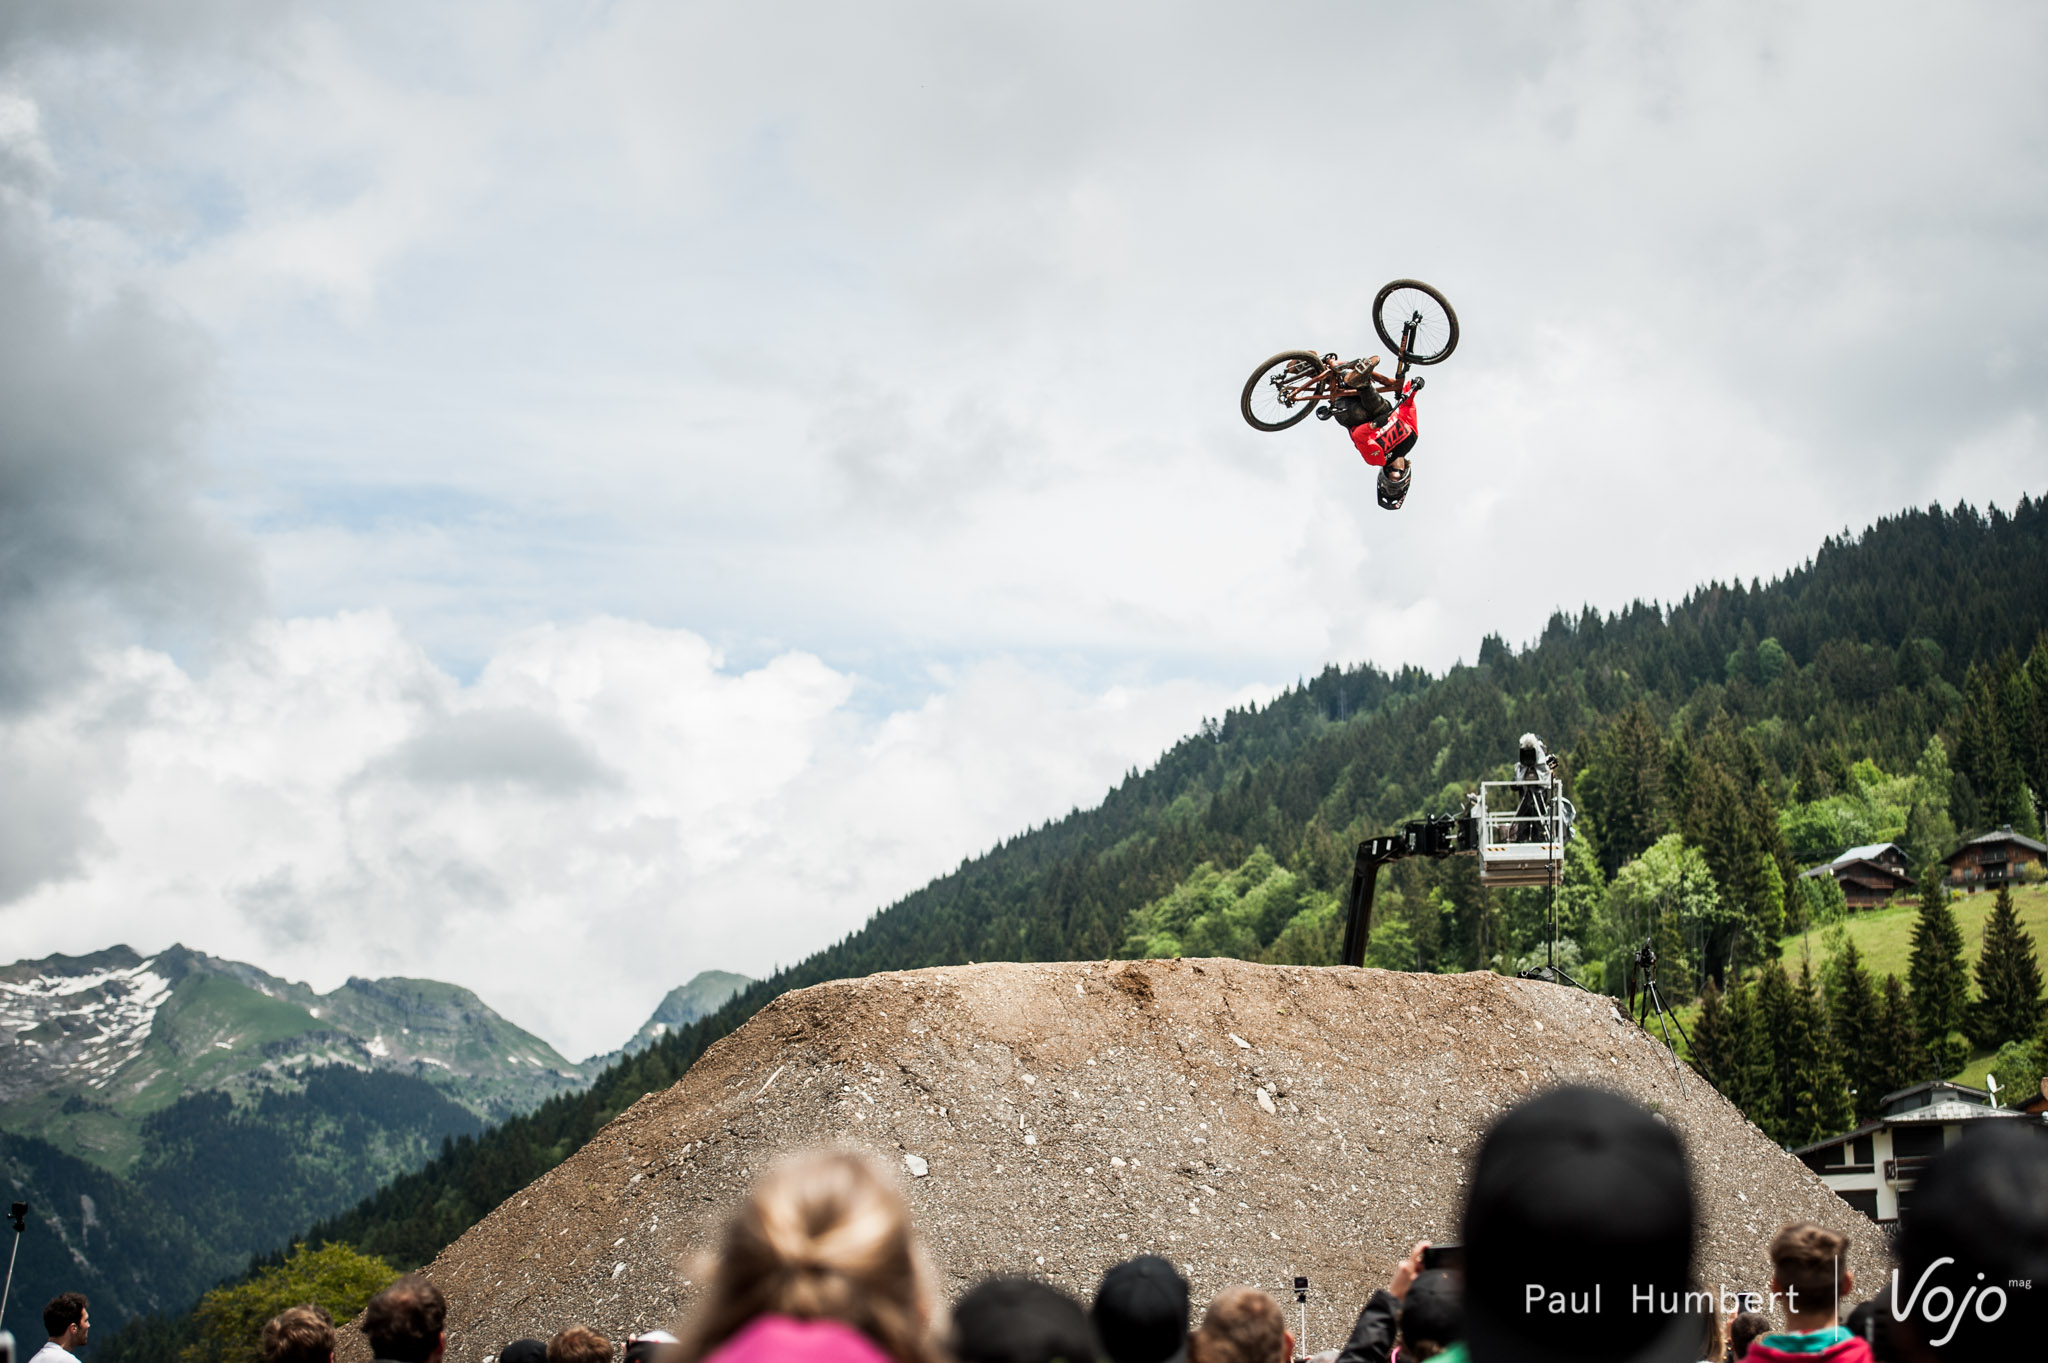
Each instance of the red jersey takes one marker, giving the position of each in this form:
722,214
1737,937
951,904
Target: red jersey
1376,443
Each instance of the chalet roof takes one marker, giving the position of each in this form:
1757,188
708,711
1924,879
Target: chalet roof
1842,865
1960,1103
1870,851
2004,834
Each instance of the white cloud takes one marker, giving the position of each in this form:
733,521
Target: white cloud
604,811
866,376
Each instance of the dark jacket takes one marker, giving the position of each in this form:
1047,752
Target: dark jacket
1372,1338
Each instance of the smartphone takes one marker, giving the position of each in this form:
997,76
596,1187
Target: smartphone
1443,1256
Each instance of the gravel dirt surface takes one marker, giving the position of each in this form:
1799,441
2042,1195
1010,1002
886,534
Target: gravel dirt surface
1249,1122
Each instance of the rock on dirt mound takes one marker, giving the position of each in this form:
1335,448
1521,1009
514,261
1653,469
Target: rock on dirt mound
1249,1122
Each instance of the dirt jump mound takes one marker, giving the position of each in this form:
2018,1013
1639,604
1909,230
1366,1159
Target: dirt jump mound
1249,1122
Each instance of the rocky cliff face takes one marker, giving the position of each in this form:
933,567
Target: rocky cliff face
1250,1122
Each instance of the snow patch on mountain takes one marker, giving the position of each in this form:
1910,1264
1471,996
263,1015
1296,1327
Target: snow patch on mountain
95,1021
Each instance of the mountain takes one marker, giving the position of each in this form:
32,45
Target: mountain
165,1117
684,1004
89,1045
1720,722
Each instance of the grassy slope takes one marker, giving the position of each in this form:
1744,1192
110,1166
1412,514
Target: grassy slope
1884,938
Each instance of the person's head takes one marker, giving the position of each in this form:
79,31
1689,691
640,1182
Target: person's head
302,1334
524,1351
1978,1223
67,1319
404,1322
579,1344
656,1346
1743,1330
1141,1312
1870,1322
1579,1198
1810,1266
1019,1320
1242,1325
822,1236
1433,1316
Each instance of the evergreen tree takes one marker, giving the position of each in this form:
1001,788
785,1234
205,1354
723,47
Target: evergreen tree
1817,1098
2008,980
1930,833
1625,787
1853,1019
1777,1012
1897,1058
1940,978
1714,1041
1755,1063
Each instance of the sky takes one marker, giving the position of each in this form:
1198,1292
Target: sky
561,496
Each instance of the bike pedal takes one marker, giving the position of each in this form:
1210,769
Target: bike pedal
1322,414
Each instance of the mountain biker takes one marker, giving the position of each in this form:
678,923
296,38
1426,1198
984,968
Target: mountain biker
1383,432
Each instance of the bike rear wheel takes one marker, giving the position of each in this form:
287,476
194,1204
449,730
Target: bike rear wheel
1436,334
1273,397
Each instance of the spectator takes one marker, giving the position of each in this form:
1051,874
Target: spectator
819,1265
653,1347
524,1351
1373,1335
302,1334
67,1322
1872,1324
1712,1343
1982,1206
1432,1315
1242,1325
579,1344
1019,1320
1141,1312
404,1322
1579,1209
1743,1330
1810,1275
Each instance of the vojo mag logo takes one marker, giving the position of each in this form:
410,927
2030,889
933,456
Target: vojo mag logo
1938,1303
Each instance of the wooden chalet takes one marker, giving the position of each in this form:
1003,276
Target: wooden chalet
1992,860
1868,875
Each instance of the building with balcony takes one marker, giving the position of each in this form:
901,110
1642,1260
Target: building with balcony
1993,860
1868,875
1875,1167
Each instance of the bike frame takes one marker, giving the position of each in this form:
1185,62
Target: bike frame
1311,388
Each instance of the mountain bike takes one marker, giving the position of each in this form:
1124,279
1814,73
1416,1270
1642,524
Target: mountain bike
1413,320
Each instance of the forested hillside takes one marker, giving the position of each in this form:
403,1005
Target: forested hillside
1894,687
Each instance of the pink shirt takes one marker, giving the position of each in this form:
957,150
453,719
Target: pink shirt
782,1339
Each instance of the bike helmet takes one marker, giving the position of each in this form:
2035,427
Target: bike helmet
1393,487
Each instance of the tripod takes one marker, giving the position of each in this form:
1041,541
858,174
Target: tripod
17,1216
1653,1000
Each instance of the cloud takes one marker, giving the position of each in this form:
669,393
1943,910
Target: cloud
605,810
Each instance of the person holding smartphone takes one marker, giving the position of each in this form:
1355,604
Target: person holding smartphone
1416,1315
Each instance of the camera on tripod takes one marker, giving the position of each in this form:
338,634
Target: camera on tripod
1646,957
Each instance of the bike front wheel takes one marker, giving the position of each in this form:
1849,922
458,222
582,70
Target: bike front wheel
1280,392
1436,326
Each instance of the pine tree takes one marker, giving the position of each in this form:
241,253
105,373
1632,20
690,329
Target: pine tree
1817,1098
1776,1011
1714,1041
2008,980
1853,1021
1896,1058
1754,1086
1940,978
